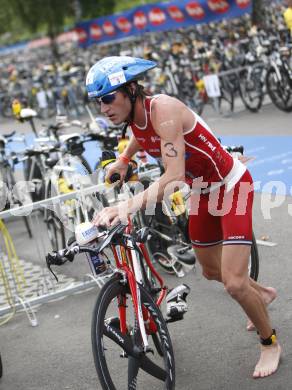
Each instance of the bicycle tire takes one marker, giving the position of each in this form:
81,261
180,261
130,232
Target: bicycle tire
251,89
280,91
56,231
11,182
100,325
6,109
158,248
85,163
226,100
254,260
1,367
32,172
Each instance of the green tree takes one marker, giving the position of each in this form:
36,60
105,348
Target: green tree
95,8
50,15
5,17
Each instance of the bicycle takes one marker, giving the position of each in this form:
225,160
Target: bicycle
10,193
126,318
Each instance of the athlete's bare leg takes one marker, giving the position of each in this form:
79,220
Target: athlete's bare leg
210,261
229,264
234,266
269,294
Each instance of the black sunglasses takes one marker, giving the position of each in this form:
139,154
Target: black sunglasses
107,99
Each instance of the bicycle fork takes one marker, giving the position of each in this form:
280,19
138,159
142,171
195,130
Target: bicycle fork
134,280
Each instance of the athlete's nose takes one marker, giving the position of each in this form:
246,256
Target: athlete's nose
104,108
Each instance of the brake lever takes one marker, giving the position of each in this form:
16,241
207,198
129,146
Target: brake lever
49,263
57,259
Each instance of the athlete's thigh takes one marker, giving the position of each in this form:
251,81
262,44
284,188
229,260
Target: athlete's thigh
210,258
234,262
237,222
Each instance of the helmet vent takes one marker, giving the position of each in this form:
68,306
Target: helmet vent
125,67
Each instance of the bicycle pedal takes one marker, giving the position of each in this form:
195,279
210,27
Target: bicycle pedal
174,316
176,305
178,293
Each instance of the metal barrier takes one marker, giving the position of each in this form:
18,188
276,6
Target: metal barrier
25,284
18,275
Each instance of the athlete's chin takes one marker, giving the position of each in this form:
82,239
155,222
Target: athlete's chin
116,120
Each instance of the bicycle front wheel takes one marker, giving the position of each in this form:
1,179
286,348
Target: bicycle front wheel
120,361
251,89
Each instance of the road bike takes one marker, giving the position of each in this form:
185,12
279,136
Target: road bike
127,323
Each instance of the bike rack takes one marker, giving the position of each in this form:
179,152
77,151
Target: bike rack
14,281
18,299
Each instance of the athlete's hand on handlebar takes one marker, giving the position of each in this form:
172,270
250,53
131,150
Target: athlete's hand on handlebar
109,216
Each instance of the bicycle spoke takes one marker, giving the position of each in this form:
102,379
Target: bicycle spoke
124,341
153,369
133,369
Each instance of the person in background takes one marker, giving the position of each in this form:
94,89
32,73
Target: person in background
288,16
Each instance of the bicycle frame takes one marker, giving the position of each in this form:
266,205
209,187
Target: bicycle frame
127,263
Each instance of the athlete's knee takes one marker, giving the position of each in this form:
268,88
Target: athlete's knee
237,288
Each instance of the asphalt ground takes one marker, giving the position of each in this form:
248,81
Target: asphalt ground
212,348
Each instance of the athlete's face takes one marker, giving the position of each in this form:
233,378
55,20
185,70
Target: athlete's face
116,107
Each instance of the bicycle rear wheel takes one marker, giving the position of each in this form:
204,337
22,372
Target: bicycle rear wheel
119,358
254,264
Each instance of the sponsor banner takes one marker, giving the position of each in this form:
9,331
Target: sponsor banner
5,50
158,17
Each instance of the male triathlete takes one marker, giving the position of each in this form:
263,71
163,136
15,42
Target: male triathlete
167,128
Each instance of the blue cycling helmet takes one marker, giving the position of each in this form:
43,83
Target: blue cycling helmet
111,73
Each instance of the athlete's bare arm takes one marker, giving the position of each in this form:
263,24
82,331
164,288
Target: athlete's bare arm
132,147
167,122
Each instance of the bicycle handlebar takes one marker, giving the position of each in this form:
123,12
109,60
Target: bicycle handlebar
68,254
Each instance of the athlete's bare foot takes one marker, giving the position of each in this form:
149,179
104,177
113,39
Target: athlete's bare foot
269,361
269,294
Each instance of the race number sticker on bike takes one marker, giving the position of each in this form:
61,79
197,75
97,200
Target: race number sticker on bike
212,85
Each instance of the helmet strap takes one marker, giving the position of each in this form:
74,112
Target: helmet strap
132,95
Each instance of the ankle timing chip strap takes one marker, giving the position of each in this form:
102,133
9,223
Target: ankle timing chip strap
270,340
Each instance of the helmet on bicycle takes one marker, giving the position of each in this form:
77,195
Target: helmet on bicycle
111,73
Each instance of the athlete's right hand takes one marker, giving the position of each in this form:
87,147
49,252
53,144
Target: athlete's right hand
117,167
